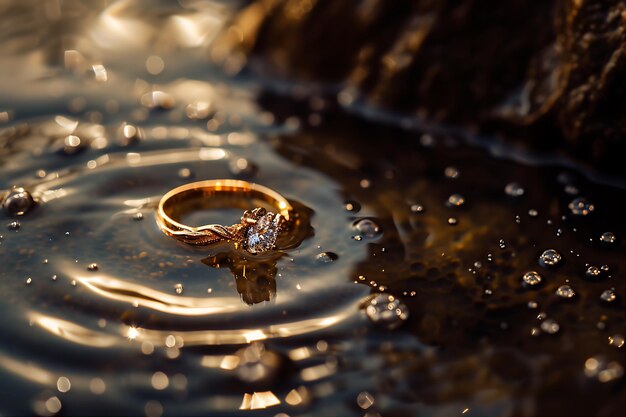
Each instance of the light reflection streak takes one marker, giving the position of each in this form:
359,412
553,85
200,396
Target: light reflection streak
27,371
73,332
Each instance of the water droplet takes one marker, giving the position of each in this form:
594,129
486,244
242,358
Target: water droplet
452,221
357,238
352,206
138,216
513,189
532,305
416,208
550,257
326,257
580,207
92,267
608,238
605,268
550,326
593,272
14,226
608,295
242,167
178,288
367,227
565,291
365,400
502,244
451,172
73,144
18,202
456,200
532,278
617,340
533,213
386,310
29,280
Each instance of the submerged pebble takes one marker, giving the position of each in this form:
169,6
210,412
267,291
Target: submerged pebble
549,257
386,310
18,202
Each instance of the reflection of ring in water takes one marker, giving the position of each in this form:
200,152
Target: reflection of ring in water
255,276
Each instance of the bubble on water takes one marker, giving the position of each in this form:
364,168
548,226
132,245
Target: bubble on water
92,267
387,311
358,238
14,226
608,238
29,280
452,221
451,172
593,272
326,257
605,268
598,368
617,340
18,202
513,189
502,244
367,228
199,110
456,200
533,213
550,326
565,291
532,278
158,100
352,206
416,208
138,216
550,257
533,305
608,295
580,207
178,288
242,167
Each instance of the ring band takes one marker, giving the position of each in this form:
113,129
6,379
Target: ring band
257,230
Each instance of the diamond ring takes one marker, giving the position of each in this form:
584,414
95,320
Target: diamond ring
256,232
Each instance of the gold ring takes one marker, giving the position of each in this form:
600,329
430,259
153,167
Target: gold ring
256,232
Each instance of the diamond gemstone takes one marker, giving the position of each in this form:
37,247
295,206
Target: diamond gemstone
261,236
